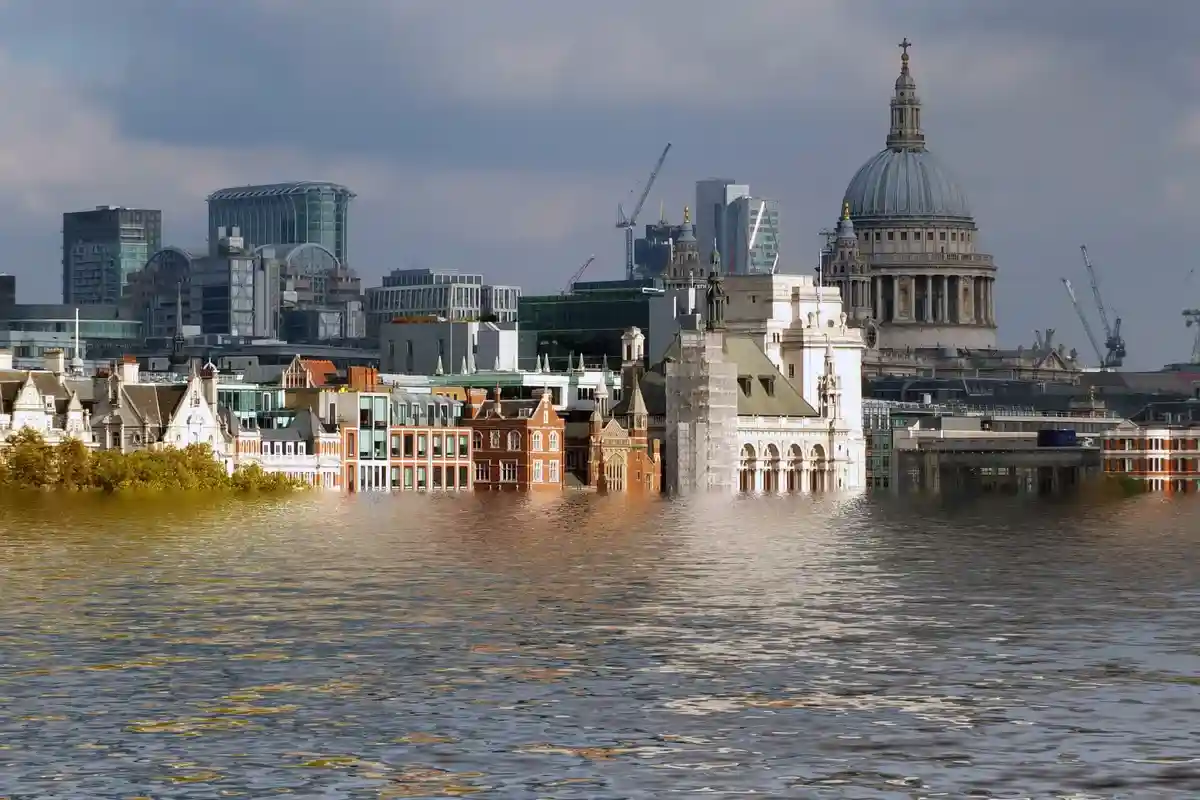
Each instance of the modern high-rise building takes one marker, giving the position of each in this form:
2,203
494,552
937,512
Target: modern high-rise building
285,213
102,247
744,228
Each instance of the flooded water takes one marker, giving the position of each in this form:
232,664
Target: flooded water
584,647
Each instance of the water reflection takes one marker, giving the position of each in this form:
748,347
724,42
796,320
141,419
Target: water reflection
579,646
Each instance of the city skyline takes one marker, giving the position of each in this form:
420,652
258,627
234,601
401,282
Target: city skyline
523,131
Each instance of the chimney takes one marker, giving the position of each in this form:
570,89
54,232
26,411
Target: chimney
55,361
208,384
6,359
127,370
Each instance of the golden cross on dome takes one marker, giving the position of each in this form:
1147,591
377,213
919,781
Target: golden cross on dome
846,210
904,45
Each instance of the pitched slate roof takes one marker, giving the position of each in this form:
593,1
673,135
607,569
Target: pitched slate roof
777,397
155,403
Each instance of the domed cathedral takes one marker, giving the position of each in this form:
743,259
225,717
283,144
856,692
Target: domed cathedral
904,254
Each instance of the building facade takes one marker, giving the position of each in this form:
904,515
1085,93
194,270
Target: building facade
920,281
39,400
517,445
429,347
101,247
444,294
1164,457
299,212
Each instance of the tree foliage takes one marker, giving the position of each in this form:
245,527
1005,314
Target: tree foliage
28,462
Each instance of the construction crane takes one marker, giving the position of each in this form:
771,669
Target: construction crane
627,224
578,274
1087,326
1192,315
1114,345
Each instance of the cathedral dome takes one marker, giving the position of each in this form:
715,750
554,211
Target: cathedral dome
905,183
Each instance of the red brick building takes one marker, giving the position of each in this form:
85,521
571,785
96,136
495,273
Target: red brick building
517,445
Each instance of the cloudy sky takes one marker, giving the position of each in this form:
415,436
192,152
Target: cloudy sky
499,136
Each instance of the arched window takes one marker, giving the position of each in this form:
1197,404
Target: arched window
477,440
537,441
514,440
553,441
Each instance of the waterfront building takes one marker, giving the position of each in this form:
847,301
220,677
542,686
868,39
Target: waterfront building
101,247
41,401
618,453
920,281
297,212
427,346
1164,456
942,453
882,419
517,444
743,229
131,414
298,444
441,294
763,397
393,439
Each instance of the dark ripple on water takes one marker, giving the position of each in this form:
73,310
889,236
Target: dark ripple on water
591,647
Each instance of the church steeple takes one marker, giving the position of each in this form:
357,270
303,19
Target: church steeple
905,133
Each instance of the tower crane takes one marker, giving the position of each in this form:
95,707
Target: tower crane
627,224
1114,345
1087,326
1192,317
579,273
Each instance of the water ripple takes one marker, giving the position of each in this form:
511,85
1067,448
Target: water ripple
586,647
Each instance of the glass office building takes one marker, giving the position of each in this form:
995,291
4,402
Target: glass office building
301,212
589,321
102,247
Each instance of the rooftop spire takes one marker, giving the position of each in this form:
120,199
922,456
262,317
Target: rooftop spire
905,133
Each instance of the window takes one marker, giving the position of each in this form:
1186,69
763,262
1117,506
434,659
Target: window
791,371
477,440
536,441
545,415
891,236
929,236
395,477
482,472
421,445
449,477
462,477
495,440
300,448
537,471
514,440
463,450
408,477
942,235
554,471
508,471
266,448
421,478
408,445
437,477
904,236
553,441
437,444
396,445
195,401
279,448
291,449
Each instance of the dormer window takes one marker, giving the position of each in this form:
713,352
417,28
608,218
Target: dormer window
744,384
768,384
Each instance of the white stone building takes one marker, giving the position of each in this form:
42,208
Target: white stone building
782,347
41,400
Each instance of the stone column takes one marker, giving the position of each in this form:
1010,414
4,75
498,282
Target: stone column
928,281
945,301
876,297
